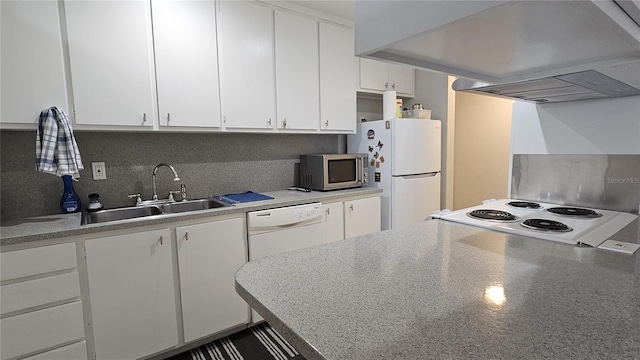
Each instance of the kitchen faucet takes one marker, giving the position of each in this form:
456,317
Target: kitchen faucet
155,170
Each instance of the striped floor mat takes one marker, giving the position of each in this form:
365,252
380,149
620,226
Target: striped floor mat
260,342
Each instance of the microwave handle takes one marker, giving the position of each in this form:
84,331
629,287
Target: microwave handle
359,164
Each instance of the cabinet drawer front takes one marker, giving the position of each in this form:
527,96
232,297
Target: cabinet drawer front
26,333
77,351
21,263
27,294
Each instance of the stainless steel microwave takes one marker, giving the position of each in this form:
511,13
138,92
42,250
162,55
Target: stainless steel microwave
333,171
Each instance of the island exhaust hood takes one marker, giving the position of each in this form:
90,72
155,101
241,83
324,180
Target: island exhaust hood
543,51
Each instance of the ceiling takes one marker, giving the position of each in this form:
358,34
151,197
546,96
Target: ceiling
341,8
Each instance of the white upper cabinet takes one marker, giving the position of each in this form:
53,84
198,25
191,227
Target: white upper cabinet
297,74
186,57
378,76
246,65
112,69
33,74
337,79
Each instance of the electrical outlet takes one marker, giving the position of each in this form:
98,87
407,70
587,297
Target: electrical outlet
99,171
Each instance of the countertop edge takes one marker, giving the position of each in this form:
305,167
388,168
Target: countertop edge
71,222
302,346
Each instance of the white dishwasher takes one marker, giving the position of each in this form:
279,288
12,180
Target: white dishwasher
279,230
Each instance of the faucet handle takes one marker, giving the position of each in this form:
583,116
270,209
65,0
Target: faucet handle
137,197
171,193
183,192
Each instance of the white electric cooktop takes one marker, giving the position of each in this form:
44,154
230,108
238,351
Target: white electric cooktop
562,223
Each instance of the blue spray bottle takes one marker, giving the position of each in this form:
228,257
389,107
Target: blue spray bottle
69,202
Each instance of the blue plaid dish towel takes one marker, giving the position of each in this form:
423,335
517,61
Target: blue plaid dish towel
56,149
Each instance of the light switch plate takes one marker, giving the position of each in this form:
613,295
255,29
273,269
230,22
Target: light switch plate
99,171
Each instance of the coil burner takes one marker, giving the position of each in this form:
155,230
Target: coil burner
492,215
524,204
575,212
545,225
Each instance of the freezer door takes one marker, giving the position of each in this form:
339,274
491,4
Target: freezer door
416,146
414,198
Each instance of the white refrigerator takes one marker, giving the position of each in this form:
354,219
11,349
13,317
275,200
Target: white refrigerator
404,156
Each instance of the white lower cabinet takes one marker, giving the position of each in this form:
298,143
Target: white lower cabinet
41,305
333,222
343,220
361,216
77,351
132,294
209,255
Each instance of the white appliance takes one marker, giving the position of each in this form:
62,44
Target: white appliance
561,223
404,156
280,230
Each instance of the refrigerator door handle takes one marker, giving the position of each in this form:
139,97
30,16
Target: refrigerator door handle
431,174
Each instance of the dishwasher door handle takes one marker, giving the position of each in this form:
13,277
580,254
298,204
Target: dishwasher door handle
281,226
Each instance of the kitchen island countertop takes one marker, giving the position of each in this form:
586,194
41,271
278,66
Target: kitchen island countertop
439,290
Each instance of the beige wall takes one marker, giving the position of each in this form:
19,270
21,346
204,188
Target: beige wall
482,148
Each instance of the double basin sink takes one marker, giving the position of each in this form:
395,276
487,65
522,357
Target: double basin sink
158,208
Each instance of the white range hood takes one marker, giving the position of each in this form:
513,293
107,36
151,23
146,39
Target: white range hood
544,51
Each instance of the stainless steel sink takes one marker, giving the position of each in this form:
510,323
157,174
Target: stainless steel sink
192,205
100,216
162,208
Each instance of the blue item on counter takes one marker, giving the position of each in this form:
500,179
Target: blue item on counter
69,202
242,197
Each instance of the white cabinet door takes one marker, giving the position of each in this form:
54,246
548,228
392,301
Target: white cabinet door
374,75
379,76
297,77
337,79
333,222
209,255
111,55
361,217
32,67
401,79
246,65
186,62
414,198
132,295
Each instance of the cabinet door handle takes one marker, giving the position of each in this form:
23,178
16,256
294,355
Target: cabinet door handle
144,118
393,86
386,85
326,124
327,211
186,236
269,122
351,207
168,118
284,123
161,241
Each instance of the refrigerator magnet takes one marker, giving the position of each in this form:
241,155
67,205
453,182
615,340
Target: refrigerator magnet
371,134
370,148
380,145
377,164
381,159
377,177
373,162
375,156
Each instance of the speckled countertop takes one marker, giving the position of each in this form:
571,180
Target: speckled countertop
440,290
25,230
